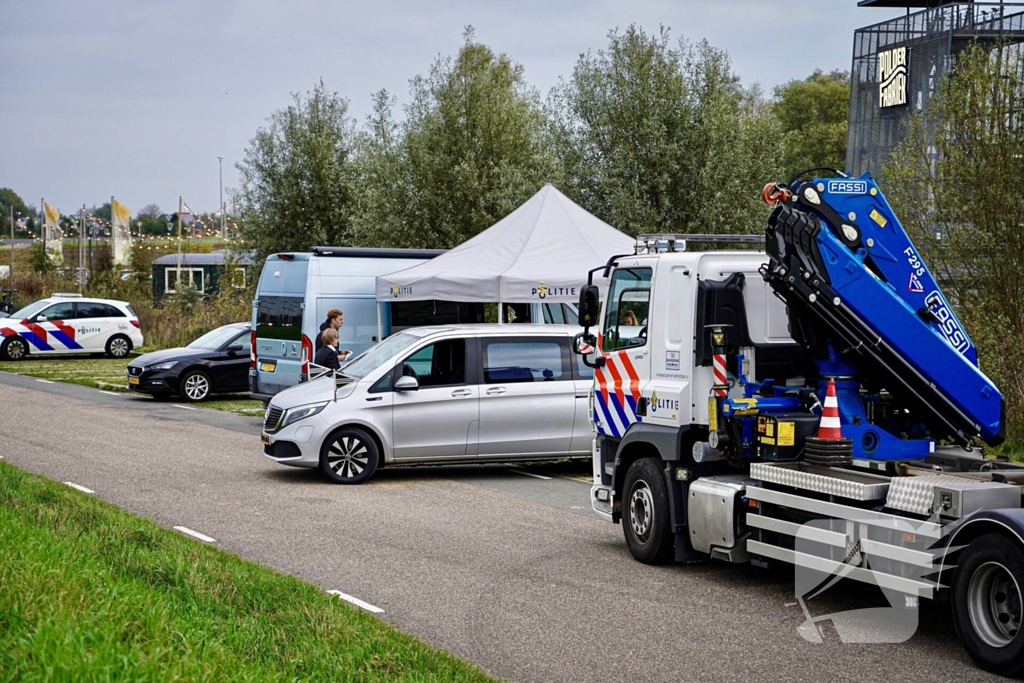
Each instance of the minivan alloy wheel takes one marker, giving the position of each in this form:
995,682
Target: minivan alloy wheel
348,456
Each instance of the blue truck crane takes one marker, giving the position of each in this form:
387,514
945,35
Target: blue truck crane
817,404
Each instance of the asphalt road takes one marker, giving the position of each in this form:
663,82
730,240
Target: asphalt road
508,571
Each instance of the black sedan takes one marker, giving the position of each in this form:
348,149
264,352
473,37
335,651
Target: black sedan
217,362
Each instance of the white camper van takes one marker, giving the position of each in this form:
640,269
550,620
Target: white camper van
296,290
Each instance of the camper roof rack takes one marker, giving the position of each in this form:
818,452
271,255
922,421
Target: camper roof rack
657,243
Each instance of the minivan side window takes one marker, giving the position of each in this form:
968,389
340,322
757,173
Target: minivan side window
508,361
629,301
441,364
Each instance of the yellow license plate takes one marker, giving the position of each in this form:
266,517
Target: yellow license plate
133,380
268,367
266,439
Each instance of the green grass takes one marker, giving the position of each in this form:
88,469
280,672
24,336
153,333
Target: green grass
109,374
89,592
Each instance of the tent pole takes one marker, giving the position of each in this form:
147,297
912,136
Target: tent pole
380,323
501,313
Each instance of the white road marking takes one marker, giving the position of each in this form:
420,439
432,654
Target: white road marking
45,381
79,488
357,602
528,474
111,393
178,405
195,534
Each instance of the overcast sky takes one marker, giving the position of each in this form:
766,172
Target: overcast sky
137,99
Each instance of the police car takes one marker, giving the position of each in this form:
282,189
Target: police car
70,323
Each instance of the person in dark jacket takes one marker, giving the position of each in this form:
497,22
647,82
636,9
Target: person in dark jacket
335,319
328,356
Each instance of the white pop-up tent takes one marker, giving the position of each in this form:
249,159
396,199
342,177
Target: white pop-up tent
540,252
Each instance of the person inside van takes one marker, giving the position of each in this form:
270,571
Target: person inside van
335,319
328,355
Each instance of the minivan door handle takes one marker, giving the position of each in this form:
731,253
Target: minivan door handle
461,392
496,391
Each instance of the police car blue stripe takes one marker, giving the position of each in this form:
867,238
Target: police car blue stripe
64,339
35,341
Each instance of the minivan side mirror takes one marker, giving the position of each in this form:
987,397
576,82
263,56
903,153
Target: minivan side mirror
234,348
407,383
590,302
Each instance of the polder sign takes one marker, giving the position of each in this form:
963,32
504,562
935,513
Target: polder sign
892,77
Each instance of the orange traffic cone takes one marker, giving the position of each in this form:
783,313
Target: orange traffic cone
829,448
830,429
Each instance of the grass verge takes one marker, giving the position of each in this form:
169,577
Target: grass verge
89,592
109,374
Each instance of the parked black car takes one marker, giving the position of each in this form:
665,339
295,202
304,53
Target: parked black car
217,362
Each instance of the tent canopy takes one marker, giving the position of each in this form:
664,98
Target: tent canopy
539,252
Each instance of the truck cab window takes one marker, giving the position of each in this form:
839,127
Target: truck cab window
628,304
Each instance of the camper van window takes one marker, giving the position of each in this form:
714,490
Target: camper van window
279,317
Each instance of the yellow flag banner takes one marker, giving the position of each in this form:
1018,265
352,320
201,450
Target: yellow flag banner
121,213
53,236
52,216
121,230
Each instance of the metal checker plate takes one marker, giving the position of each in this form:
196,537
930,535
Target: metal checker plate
791,474
917,494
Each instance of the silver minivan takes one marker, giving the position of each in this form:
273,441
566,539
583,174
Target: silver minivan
431,395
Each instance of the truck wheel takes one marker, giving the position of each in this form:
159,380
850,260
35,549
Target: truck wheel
987,603
645,515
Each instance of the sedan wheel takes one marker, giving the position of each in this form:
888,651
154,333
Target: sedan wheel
14,349
119,346
195,386
349,456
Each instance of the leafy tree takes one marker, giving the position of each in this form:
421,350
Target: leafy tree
298,175
103,212
660,138
958,193
813,115
9,198
39,259
470,150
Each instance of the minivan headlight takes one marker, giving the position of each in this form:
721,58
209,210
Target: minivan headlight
302,412
164,366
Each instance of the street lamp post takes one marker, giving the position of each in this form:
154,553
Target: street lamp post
220,164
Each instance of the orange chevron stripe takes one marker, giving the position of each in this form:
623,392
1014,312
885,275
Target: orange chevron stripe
634,378
617,380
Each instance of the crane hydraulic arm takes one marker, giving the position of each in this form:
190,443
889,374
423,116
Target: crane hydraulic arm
863,301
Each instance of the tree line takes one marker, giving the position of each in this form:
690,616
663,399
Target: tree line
648,133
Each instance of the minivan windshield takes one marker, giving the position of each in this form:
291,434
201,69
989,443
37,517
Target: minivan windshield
373,357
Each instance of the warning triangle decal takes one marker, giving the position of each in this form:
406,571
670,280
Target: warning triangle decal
915,285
